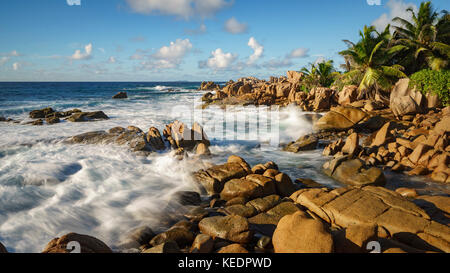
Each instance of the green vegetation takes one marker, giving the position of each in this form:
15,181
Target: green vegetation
321,74
371,59
426,39
379,59
435,82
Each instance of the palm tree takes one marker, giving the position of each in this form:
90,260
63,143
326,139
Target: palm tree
426,38
371,63
326,73
320,74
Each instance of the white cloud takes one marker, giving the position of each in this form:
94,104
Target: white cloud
397,8
258,50
219,60
172,55
87,54
4,60
235,27
167,57
16,66
298,53
180,8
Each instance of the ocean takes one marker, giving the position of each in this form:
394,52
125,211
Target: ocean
48,188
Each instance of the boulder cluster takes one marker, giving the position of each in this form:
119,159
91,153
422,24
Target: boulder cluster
416,147
280,91
49,116
260,210
176,135
208,86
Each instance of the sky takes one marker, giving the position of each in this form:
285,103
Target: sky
180,40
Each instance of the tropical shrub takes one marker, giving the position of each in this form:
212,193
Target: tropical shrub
321,74
431,81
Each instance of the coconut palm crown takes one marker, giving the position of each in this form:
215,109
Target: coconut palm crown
426,38
371,62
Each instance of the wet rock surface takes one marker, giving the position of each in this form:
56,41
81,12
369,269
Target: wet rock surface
250,214
88,244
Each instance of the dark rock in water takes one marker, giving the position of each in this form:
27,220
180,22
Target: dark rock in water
196,214
155,140
120,95
167,247
42,113
182,236
52,120
97,137
186,198
3,248
207,97
117,130
87,243
137,237
87,116
305,143
134,137
2,119
62,114
37,122
135,140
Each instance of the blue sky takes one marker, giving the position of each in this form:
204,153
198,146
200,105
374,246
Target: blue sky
171,40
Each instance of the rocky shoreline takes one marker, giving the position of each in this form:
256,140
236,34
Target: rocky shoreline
260,209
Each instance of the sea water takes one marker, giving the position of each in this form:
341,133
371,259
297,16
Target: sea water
48,188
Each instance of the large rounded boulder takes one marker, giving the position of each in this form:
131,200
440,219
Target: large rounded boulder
339,118
296,233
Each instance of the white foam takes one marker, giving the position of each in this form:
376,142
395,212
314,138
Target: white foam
48,189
